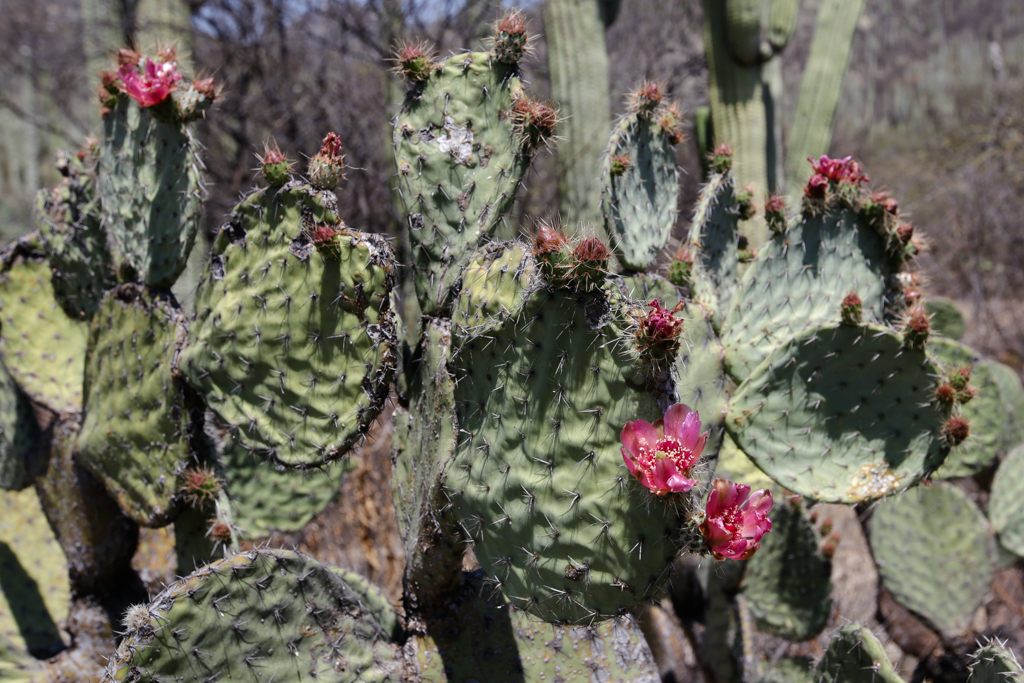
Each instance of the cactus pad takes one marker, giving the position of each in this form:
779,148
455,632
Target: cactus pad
1006,504
294,348
538,481
496,281
995,663
135,424
35,593
788,581
946,318
20,436
799,279
259,615
935,552
841,414
69,223
43,348
460,161
988,413
150,186
854,655
640,196
713,233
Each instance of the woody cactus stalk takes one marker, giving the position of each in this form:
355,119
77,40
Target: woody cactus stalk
563,420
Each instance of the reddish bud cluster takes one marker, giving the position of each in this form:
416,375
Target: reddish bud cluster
126,57
721,159
851,310
620,164
775,213
591,251
670,120
917,328
905,232
646,98
220,532
414,62
330,149
548,240
956,430
533,121
660,325
887,203
200,485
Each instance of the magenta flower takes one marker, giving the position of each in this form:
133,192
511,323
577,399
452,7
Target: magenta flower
844,170
151,87
660,455
735,523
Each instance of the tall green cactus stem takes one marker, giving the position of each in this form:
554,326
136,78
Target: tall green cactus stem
854,655
538,482
787,584
20,437
42,348
294,348
1006,504
640,192
936,553
805,417
69,223
422,448
820,88
995,663
274,612
136,420
578,62
34,590
459,165
151,193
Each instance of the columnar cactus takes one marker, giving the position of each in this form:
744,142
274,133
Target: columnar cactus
571,424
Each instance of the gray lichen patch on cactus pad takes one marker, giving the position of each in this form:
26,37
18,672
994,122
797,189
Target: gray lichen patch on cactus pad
263,615
459,164
293,346
43,348
841,414
538,480
135,435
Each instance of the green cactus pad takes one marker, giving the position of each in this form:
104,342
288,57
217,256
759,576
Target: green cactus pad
135,421
293,349
482,639
372,599
20,437
18,666
946,318
35,594
841,414
43,348
789,670
538,481
936,552
640,203
260,615
988,413
1012,391
713,233
496,281
1006,504
266,497
150,186
799,279
69,223
788,581
995,663
459,163
854,655
735,465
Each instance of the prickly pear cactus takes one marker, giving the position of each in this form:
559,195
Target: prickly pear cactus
135,434
935,552
995,663
805,415
538,483
713,233
293,341
34,591
1006,504
787,584
42,348
460,164
20,436
640,179
150,187
269,614
854,655
70,226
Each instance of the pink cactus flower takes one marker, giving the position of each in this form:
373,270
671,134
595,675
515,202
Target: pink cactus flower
816,186
660,455
844,170
151,87
735,523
